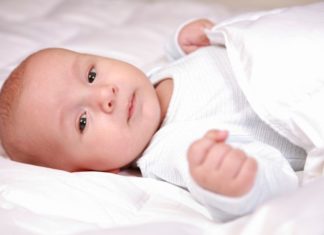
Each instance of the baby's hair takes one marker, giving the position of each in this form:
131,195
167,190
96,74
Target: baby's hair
10,94
17,142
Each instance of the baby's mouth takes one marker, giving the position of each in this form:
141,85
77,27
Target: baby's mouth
131,107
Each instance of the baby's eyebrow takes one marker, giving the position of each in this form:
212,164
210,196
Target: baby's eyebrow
75,69
62,119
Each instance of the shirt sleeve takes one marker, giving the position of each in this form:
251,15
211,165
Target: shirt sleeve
274,177
173,49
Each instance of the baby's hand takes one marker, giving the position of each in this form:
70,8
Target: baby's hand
220,168
192,36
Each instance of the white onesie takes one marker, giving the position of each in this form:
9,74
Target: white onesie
206,96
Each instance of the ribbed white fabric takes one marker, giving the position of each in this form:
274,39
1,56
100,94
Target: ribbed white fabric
206,96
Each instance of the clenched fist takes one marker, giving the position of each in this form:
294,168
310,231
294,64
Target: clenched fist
220,168
193,36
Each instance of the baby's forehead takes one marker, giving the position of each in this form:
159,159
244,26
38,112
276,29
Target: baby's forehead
47,62
50,55
44,69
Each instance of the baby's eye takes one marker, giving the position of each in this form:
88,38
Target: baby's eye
92,75
82,122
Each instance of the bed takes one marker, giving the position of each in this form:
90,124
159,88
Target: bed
38,200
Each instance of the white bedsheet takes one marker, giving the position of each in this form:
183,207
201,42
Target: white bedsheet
36,200
132,30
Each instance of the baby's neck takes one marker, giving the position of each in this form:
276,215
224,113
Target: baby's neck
164,91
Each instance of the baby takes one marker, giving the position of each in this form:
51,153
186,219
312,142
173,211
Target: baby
75,112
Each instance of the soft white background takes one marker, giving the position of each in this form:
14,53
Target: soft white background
35,200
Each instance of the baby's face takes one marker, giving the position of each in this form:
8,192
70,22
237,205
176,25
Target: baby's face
86,112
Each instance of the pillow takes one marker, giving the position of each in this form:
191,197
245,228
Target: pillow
278,60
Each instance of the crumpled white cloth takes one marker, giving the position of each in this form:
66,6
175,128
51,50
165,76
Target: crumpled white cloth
277,57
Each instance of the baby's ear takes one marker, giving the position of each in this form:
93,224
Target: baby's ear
2,152
115,171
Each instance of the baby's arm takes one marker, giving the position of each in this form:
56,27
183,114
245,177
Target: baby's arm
220,168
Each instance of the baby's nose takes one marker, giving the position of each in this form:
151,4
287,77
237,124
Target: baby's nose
107,97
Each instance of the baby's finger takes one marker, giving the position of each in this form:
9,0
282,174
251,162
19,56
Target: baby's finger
217,135
208,24
215,156
198,150
193,44
232,163
189,48
246,177
249,169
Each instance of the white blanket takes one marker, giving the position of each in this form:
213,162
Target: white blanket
277,57
36,200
